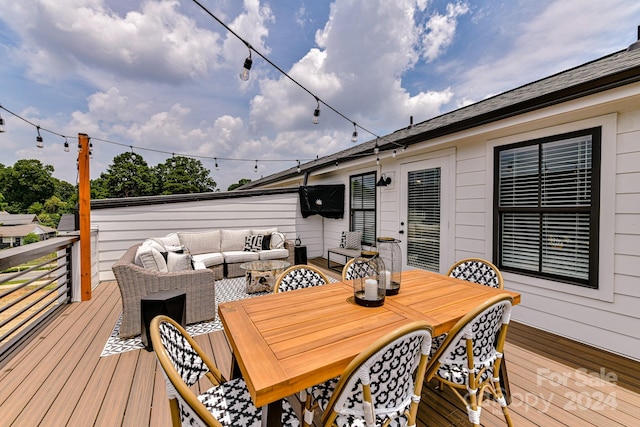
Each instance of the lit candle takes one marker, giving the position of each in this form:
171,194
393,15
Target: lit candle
387,277
371,289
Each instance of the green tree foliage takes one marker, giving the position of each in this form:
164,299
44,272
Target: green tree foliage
128,176
240,183
30,238
182,175
27,182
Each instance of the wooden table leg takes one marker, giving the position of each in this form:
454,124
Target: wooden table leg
273,416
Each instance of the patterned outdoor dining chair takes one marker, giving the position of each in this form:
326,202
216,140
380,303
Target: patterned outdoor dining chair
477,270
380,387
183,362
299,276
468,361
353,270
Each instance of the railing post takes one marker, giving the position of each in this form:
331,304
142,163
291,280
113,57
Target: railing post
84,201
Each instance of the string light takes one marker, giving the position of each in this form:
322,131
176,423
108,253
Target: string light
66,145
354,135
216,161
1,124
39,142
244,74
173,160
316,113
393,154
298,168
255,168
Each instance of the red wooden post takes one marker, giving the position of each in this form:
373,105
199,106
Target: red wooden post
84,203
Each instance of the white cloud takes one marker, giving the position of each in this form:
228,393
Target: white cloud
441,29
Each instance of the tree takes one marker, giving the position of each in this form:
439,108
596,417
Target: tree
27,182
240,183
30,238
128,176
182,175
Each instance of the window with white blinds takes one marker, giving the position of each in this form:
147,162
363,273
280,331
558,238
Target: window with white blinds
547,204
363,206
423,221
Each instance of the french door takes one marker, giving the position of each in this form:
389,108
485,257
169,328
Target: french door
424,214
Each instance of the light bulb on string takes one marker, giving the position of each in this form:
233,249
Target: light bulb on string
216,163
39,142
393,154
255,168
1,124
90,150
66,145
173,160
316,113
298,168
354,135
246,68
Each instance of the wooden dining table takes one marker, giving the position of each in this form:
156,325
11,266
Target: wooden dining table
286,342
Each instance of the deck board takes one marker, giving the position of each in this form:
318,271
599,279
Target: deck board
59,379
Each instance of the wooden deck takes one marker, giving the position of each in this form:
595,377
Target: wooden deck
59,379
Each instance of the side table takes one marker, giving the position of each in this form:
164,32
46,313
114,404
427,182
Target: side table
300,254
171,303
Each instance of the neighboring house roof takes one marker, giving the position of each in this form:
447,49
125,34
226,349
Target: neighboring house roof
23,230
17,219
615,70
67,223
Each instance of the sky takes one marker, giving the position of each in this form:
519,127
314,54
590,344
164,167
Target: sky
162,77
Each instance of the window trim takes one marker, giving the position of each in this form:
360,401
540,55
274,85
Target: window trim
592,282
374,209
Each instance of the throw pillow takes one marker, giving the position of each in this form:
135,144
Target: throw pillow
277,240
253,243
343,239
353,240
151,259
266,242
179,261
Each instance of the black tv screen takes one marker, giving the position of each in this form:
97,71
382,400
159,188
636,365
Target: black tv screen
324,200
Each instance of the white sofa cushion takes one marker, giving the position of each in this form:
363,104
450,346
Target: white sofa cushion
209,260
233,240
232,257
274,254
170,239
155,244
201,242
178,261
277,240
150,258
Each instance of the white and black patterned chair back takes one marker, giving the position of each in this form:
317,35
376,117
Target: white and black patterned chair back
354,270
477,270
481,333
300,276
390,373
189,366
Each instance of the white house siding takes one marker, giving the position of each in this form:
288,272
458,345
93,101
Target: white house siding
121,227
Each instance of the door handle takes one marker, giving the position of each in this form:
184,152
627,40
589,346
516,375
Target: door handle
400,231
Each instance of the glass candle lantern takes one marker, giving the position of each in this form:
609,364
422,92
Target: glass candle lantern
369,286
391,254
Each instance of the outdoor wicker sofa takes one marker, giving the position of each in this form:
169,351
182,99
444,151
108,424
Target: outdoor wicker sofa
135,282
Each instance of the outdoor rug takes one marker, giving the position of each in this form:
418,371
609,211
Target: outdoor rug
226,290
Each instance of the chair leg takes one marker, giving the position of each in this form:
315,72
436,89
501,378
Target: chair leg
308,411
174,407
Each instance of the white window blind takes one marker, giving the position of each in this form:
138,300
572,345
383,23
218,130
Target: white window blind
363,206
545,208
423,237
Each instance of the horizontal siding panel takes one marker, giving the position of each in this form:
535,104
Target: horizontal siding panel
471,192
470,245
466,218
472,178
470,232
470,205
476,164
627,285
628,183
627,162
627,244
625,345
627,264
627,203
628,223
